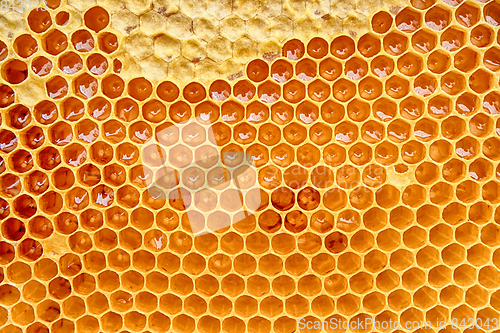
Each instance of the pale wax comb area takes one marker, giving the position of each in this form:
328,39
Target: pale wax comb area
353,179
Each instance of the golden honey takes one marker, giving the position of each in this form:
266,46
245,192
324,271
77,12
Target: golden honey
372,190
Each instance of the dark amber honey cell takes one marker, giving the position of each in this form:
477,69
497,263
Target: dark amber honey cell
39,21
108,42
62,18
369,45
89,175
8,141
19,117
126,109
167,91
181,111
437,18
25,46
257,112
33,137
21,161
154,111
244,90
63,178
13,229
318,91
408,20
481,36
344,90
96,18
14,71
281,71
306,69
329,69
381,22
72,109
41,66
6,96
117,66
97,64
320,134
257,70
70,63
294,91
194,92
112,86
140,89
99,108
3,51
317,48
85,86
332,112
101,152
397,87
82,41
219,90
342,47
452,39
423,41
465,60
54,42
57,87
293,49
395,44
140,132
87,131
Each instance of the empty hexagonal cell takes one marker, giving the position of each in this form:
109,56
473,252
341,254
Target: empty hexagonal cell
465,60
438,62
397,87
454,213
481,36
453,83
467,148
423,41
480,81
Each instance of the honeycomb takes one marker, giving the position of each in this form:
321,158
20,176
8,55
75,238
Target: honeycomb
348,179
